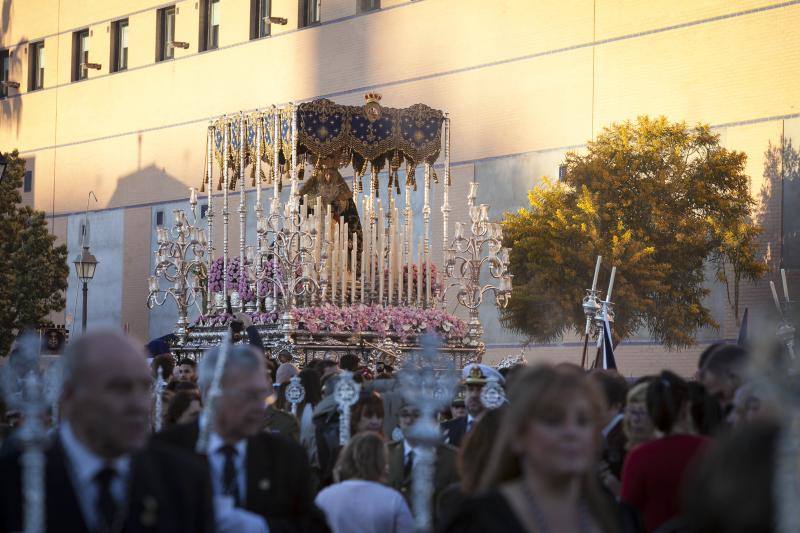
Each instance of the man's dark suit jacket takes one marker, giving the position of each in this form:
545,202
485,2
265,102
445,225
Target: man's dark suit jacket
168,492
278,479
454,430
614,449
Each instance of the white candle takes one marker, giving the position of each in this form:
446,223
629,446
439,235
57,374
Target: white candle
420,245
344,255
611,283
399,257
381,251
775,296
596,272
353,270
363,272
785,286
334,261
428,276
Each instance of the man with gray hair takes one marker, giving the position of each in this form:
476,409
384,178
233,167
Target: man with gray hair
254,471
100,475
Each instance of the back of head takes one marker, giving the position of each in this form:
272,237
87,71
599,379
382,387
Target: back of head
85,353
349,362
667,397
239,357
702,361
726,360
364,457
310,380
614,387
705,410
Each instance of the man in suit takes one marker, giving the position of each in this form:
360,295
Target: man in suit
615,391
260,472
282,423
474,377
100,475
401,460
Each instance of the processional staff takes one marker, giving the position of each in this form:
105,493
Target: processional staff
346,395
215,390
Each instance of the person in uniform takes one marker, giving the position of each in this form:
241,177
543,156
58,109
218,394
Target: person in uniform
475,376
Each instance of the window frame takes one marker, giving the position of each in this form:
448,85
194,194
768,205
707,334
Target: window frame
165,52
302,21
116,42
80,73
256,19
34,66
360,6
206,27
5,71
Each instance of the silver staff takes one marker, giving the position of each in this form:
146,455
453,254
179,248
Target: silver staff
209,407
346,395
295,393
158,391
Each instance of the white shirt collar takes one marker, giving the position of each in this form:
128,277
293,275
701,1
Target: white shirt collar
407,448
85,463
215,442
610,426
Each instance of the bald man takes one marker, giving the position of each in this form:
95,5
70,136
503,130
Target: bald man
100,473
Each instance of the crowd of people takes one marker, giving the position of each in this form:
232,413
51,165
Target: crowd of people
570,450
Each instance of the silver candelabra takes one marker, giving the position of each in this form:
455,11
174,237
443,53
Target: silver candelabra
181,261
465,258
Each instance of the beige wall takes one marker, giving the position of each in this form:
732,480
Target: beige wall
516,76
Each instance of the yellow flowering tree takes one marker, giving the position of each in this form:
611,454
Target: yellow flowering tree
658,200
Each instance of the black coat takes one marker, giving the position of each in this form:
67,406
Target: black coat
168,492
278,479
454,430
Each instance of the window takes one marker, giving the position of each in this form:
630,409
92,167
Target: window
562,172
5,65
119,45
35,66
259,18
27,181
309,13
165,34
368,5
203,210
159,218
209,25
80,55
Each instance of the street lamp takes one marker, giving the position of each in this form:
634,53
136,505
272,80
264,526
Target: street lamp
85,265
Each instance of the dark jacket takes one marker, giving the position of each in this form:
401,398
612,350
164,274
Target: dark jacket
179,486
278,479
454,430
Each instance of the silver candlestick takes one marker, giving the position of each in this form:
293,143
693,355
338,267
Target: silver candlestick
180,260
465,258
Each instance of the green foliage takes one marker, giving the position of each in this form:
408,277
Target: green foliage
656,199
33,272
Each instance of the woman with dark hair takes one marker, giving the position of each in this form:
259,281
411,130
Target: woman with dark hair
359,501
309,379
540,475
654,471
367,414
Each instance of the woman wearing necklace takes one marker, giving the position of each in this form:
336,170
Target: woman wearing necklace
540,477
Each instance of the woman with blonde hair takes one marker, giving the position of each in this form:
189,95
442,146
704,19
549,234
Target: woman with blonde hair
540,476
636,421
359,501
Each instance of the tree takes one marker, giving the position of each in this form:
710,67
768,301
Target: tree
33,272
656,199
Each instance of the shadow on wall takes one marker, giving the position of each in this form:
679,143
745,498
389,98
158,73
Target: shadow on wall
11,108
142,184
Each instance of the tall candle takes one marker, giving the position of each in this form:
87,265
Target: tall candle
381,251
419,272
304,211
353,270
611,283
785,286
344,255
398,257
328,231
428,301
391,247
363,272
334,262
596,272
775,296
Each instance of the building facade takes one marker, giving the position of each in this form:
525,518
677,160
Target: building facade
114,97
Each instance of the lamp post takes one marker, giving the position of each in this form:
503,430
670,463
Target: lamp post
85,265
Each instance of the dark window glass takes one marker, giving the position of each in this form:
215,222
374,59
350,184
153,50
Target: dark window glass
203,210
368,5
309,12
119,45
36,62
80,55
27,181
209,25
5,65
562,172
259,25
159,218
165,34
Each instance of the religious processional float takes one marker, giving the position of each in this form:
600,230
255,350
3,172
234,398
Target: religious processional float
335,268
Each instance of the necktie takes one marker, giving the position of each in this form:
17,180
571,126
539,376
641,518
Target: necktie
409,465
230,484
469,424
106,506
